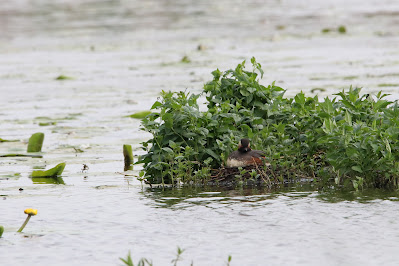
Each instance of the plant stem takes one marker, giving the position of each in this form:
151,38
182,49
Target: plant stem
25,223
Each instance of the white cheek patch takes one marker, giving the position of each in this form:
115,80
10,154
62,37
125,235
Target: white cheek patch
235,163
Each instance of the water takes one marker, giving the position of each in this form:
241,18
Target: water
121,54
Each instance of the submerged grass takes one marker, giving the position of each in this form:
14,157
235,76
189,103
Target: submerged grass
350,139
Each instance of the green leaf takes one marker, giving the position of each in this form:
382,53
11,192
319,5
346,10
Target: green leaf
168,150
156,105
352,152
357,168
212,153
53,172
348,117
300,98
244,92
140,115
381,104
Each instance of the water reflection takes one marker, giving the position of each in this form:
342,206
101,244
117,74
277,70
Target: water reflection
334,195
48,180
171,197
189,196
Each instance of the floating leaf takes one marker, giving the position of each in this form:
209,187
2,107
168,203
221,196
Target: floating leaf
53,172
6,140
342,29
21,155
63,77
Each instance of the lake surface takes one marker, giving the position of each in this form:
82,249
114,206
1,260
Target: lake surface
121,54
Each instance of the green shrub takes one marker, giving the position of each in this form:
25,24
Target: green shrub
351,139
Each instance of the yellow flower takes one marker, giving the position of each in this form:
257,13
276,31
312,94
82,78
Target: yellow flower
31,211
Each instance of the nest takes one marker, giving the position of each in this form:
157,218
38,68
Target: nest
259,175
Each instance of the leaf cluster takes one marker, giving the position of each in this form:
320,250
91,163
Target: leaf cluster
351,139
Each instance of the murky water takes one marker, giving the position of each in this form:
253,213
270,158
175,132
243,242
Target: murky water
121,54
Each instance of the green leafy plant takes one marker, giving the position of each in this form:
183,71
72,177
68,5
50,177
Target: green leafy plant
351,139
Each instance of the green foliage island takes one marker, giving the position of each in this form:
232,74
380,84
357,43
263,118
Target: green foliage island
349,140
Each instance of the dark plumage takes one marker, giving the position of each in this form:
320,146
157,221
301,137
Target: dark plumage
244,156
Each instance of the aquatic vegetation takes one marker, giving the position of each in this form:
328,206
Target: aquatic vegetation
140,115
143,261
43,124
178,256
53,172
36,142
11,175
351,139
63,77
185,59
7,140
29,212
128,155
341,29
388,85
21,155
77,150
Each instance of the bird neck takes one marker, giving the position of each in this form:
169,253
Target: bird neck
244,149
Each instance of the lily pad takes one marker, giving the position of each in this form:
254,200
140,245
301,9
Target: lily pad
43,124
53,172
7,140
21,155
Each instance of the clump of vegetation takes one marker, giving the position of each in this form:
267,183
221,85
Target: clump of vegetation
351,139
143,262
